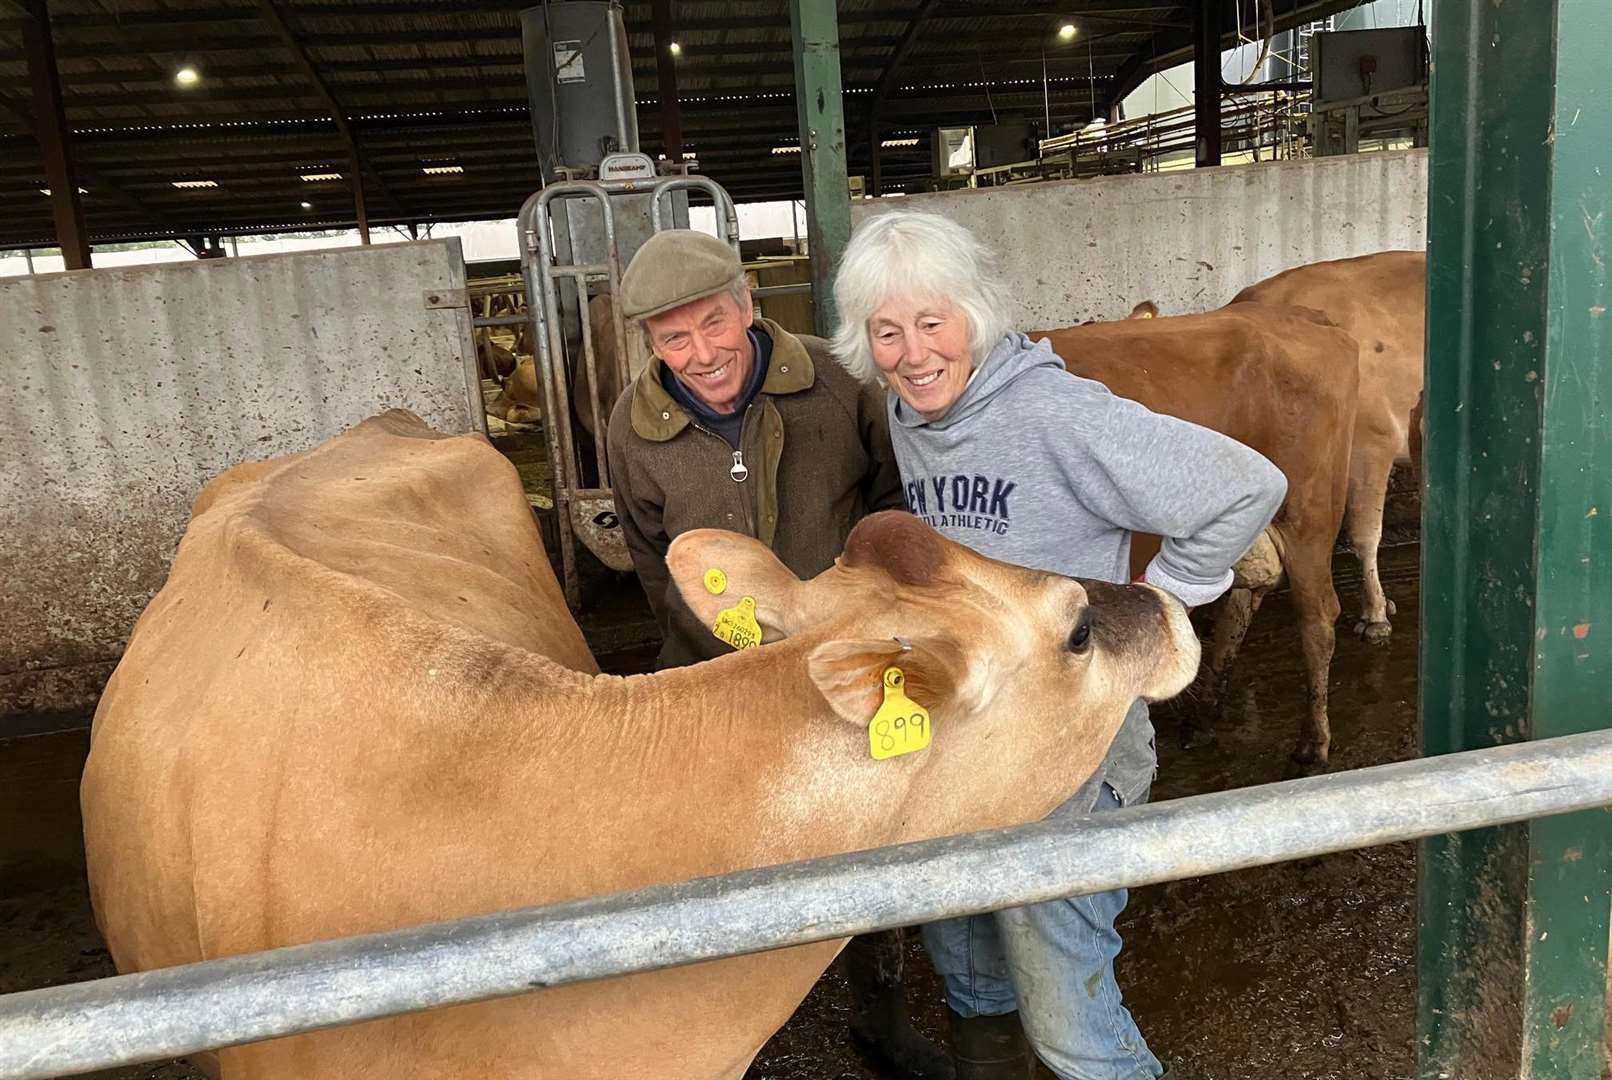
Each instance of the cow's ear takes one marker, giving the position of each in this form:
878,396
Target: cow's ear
714,570
1147,309
849,673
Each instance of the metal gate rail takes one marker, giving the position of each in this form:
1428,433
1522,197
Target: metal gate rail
175,1011
541,274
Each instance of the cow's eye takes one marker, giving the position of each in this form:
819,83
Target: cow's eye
1080,636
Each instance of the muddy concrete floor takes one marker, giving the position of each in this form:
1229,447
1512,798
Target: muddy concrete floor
1303,971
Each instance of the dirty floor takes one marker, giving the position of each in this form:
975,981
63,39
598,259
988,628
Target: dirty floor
1303,971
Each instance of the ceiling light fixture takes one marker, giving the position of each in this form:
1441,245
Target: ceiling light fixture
1066,32
187,76
675,49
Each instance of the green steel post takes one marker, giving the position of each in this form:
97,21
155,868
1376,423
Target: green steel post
821,114
1517,605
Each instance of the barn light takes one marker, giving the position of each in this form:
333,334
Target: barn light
1066,32
899,142
187,76
675,49
195,183
319,177
442,170
689,155
786,149
46,191
306,205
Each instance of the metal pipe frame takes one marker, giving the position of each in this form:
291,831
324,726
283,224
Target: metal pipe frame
481,321
539,272
182,1010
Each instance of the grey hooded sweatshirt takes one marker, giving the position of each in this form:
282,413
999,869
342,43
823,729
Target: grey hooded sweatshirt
1044,469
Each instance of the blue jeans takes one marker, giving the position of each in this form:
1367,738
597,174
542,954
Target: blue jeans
1054,962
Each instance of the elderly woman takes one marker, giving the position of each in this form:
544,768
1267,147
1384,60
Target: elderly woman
1002,449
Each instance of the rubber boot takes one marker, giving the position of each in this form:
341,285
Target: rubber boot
881,1029
991,1048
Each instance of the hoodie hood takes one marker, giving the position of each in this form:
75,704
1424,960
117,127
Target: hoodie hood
1013,357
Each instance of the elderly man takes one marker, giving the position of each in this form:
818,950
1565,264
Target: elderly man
738,424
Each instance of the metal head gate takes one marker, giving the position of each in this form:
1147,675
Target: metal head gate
586,509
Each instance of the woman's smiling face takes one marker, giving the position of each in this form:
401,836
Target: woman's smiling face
922,347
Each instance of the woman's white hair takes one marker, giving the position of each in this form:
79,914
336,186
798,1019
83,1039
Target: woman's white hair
910,254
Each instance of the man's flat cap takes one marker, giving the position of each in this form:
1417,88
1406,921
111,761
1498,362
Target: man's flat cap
673,267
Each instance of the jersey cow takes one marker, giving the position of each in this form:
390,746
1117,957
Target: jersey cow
360,703
1381,301
521,397
1275,379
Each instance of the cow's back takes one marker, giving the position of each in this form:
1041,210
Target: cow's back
1268,377
1381,301
271,590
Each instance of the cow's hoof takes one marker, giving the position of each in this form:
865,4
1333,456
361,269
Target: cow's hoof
1310,759
1374,633
902,1052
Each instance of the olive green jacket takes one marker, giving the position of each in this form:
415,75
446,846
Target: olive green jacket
814,458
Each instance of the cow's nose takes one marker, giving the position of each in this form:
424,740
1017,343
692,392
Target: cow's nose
1122,613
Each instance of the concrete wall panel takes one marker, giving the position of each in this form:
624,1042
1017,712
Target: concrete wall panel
128,388
1090,249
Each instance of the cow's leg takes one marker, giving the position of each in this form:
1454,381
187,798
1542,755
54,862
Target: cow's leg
881,1027
1309,572
1368,488
1233,615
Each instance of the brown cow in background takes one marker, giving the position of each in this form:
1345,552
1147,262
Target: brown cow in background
1276,380
1381,301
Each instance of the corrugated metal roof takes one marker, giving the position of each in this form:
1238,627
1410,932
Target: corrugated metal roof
443,78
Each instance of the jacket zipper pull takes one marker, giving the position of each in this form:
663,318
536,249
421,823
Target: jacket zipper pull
738,472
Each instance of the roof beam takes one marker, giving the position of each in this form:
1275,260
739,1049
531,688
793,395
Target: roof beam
271,14
506,73
1166,50
313,9
99,184
643,49
666,80
1060,9
55,137
887,80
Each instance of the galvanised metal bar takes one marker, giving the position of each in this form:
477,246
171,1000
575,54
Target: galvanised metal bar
181,1010
1516,583
500,320
821,116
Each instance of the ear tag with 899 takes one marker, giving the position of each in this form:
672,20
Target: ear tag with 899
901,725
737,625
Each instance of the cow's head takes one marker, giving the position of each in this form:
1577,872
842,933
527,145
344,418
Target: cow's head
1021,671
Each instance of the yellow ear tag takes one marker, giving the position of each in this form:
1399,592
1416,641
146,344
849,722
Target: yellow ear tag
901,725
737,625
716,582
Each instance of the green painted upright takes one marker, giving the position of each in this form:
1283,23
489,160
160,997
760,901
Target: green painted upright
1516,558
821,114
